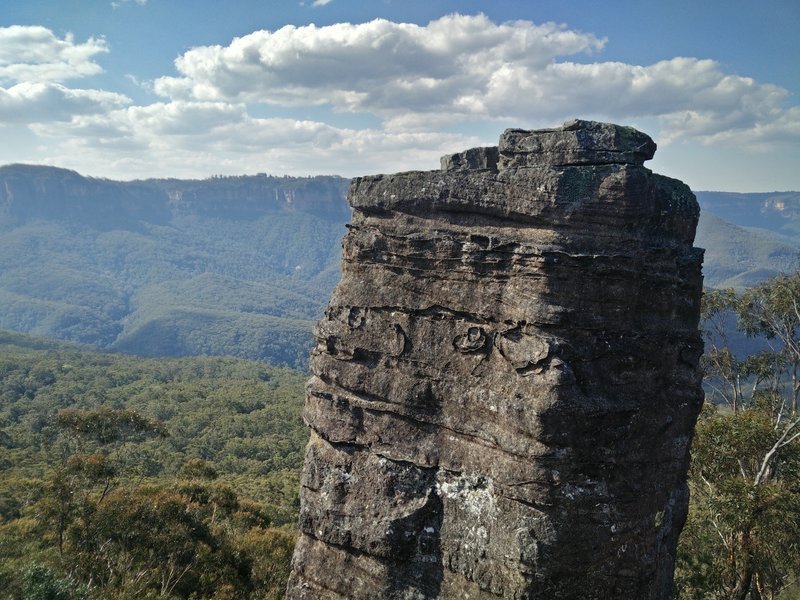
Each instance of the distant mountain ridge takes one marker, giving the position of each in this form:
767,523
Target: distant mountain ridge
30,191
748,237
228,265
773,211
245,265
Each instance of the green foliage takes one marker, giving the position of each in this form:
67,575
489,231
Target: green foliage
742,536
141,539
272,551
125,477
197,468
105,425
743,531
40,583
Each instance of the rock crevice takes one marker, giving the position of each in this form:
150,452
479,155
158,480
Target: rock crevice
506,379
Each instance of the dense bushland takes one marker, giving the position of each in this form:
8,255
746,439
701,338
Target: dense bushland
125,477
742,537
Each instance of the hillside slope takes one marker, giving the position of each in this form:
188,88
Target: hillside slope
236,265
748,237
739,257
243,266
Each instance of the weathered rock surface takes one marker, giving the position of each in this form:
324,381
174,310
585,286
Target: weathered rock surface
506,379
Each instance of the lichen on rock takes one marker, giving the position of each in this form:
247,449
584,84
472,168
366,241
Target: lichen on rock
506,378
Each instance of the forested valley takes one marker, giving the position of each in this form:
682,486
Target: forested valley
127,477
235,266
243,266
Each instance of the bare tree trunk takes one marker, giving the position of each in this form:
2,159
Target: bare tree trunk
744,573
742,588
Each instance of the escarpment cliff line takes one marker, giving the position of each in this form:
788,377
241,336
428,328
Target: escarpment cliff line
506,379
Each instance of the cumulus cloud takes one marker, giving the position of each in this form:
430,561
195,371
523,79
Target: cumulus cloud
46,102
377,66
321,2
760,136
692,97
182,138
34,63
467,68
415,84
35,54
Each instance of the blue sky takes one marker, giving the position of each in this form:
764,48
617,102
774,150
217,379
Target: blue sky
191,88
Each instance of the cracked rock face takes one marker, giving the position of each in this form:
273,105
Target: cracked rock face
506,379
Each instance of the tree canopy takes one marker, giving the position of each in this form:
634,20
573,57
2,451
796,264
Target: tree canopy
742,538
130,478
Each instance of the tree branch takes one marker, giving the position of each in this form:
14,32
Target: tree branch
775,447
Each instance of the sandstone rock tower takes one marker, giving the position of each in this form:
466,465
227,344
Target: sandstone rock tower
505,381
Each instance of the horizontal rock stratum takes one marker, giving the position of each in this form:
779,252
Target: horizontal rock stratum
506,379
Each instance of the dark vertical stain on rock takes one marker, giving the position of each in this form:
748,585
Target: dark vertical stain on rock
505,381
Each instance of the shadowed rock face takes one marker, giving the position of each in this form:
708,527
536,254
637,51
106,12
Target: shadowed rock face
505,382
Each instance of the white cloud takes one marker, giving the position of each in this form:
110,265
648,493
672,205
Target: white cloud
47,102
416,84
118,3
321,2
186,138
34,63
761,136
35,54
378,66
693,98
467,68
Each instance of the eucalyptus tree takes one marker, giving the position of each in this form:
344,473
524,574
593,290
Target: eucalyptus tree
742,538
